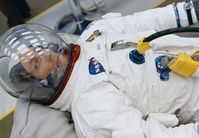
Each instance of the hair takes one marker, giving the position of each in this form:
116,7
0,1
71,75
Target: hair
18,73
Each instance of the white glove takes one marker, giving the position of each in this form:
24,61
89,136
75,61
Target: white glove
154,129
166,119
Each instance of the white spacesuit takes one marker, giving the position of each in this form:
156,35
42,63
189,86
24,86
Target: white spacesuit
107,93
110,96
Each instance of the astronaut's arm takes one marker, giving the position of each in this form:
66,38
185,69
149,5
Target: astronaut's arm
104,111
171,16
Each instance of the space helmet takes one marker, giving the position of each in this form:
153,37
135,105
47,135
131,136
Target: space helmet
34,62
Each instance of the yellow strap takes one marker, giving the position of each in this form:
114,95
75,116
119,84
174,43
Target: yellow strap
183,65
10,110
142,46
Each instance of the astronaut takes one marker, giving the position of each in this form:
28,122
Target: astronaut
98,82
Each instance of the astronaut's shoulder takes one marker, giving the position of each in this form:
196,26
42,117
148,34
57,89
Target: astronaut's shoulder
102,21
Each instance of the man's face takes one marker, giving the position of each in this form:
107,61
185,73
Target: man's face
39,64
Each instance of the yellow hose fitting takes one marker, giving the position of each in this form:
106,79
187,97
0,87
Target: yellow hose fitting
195,55
142,46
183,65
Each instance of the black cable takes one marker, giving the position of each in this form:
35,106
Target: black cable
171,31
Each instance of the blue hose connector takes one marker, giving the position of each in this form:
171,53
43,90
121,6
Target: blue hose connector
136,57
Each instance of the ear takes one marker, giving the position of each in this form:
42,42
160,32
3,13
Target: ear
64,51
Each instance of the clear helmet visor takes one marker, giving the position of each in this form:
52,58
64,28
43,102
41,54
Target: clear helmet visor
33,62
